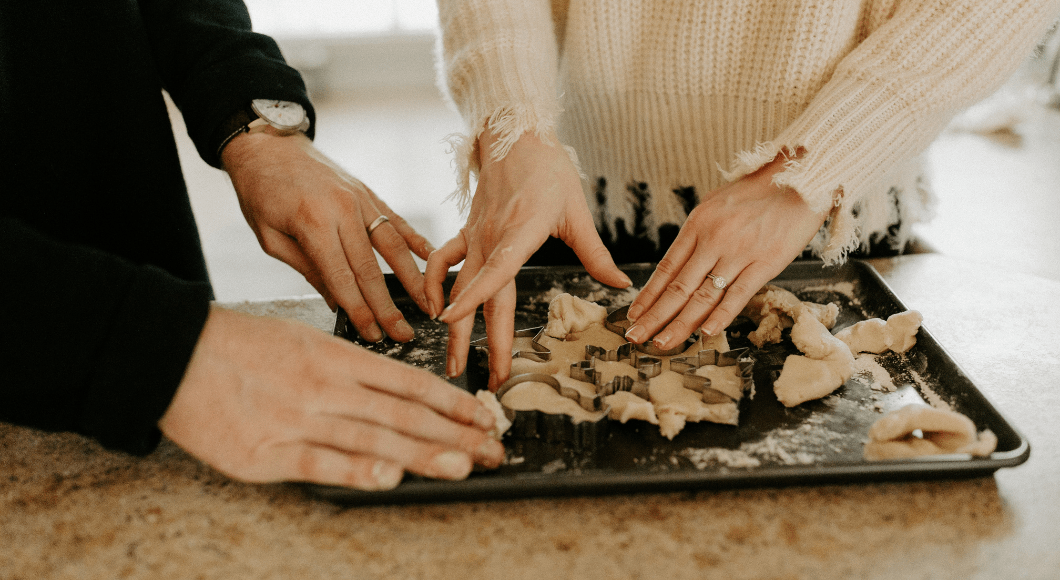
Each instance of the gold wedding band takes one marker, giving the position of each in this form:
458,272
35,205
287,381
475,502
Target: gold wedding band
378,222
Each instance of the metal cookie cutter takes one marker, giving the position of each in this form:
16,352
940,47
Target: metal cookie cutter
617,323
538,352
687,366
647,366
556,427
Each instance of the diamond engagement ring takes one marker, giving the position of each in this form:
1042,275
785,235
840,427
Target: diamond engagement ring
382,219
718,281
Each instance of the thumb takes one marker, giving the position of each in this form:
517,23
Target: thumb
582,237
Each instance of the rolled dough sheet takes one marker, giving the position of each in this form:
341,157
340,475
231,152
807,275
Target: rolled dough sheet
534,396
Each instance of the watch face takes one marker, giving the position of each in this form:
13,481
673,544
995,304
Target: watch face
281,114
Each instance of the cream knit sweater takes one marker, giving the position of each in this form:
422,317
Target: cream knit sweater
678,93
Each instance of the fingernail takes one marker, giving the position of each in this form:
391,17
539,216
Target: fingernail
709,329
452,465
627,281
484,419
445,313
387,475
404,327
634,312
372,333
635,333
450,367
491,452
662,340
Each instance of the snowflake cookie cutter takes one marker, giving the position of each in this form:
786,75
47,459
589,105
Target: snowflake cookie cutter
646,359
647,366
688,365
553,427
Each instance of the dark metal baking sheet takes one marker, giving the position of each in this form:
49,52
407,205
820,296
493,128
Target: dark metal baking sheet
817,442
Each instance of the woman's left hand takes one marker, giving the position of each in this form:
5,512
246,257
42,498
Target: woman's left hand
743,234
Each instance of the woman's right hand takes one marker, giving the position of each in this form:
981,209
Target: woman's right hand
266,400
532,193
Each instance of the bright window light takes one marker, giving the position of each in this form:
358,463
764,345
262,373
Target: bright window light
341,17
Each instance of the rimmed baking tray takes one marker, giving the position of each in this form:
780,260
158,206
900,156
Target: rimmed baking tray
816,442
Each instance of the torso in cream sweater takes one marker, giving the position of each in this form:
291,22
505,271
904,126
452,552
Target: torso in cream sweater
665,100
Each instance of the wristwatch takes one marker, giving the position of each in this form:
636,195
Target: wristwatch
286,117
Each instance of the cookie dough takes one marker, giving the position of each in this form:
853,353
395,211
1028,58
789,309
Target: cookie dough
575,323
534,396
897,334
502,424
919,430
774,309
827,362
567,314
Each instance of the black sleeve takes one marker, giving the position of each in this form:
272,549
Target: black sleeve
212,64
93,343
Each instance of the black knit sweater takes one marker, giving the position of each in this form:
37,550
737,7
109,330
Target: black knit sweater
103,280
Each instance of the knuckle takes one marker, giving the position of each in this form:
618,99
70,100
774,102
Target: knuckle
725,312
307,215
307,464
361,316
678,289
342,278
367,269
270,246
680,328
704,295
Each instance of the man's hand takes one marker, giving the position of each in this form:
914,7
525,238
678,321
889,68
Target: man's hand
532,193
267,400
745,232
311,214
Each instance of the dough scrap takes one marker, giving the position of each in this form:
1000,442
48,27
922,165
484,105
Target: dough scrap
502,424
827,364
567,314
897,334
774,309
894,436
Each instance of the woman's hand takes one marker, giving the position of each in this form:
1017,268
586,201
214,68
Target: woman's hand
267,400
744,233
532,193
311,214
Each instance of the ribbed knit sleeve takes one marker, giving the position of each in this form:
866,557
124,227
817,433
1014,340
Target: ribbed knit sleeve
892,95
498,64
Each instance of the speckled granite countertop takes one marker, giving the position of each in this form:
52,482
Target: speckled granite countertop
69,509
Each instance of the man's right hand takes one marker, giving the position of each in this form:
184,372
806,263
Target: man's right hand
267,400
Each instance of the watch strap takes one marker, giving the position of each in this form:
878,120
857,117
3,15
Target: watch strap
237,123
